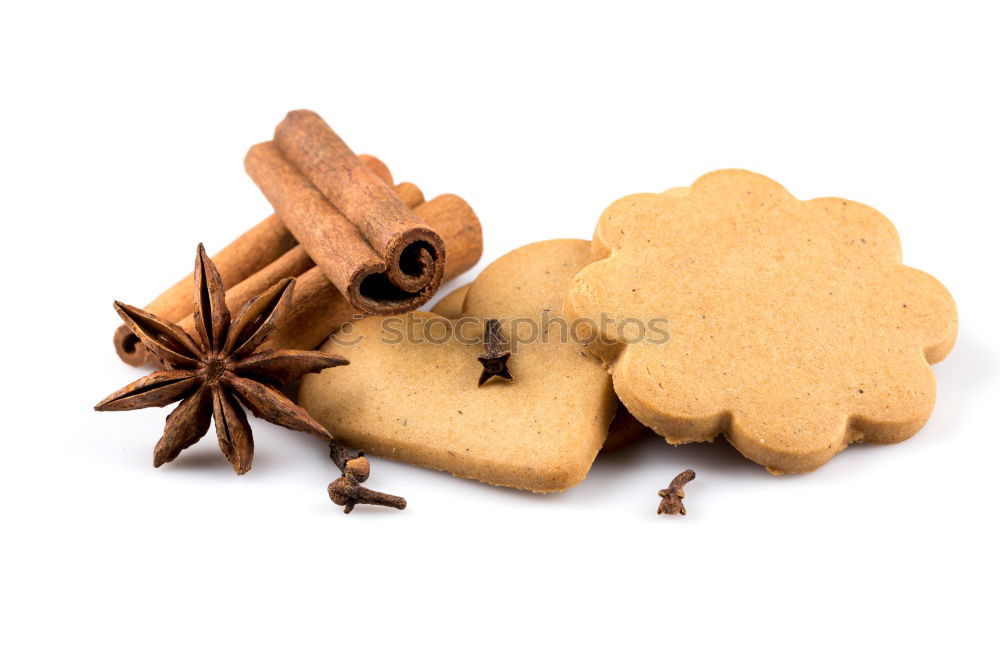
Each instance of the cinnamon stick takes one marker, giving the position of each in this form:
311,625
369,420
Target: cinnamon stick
319,309
293,263
380,255
245,256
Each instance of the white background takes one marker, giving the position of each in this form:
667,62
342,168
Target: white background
124,129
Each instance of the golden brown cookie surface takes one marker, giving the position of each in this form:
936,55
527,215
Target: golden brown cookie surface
794,328
624,429
418,402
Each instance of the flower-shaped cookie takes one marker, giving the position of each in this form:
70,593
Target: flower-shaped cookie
794,328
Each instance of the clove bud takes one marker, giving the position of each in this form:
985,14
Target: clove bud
494,359
347,492
674,493
354,464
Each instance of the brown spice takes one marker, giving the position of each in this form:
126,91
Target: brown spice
349,462
251,252
293,263
317,307
413,252
494,359
347,491
217,372
373,248
674,493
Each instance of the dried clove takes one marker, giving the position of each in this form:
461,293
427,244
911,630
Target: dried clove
347,491
674,493
494,359
347,462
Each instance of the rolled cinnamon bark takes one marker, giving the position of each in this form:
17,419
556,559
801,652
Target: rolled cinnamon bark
335,244
295,262
412,251
319,309
409,194
378,167
453,218
248,254
380,255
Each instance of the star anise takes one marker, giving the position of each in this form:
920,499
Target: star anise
220,371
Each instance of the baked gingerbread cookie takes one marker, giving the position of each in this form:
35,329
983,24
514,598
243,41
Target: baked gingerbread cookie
793,328
624,428
411,392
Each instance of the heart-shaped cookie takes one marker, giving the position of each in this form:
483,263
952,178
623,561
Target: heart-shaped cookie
410,392
624,428
794,328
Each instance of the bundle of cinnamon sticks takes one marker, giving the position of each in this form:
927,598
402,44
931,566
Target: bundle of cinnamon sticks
355,242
